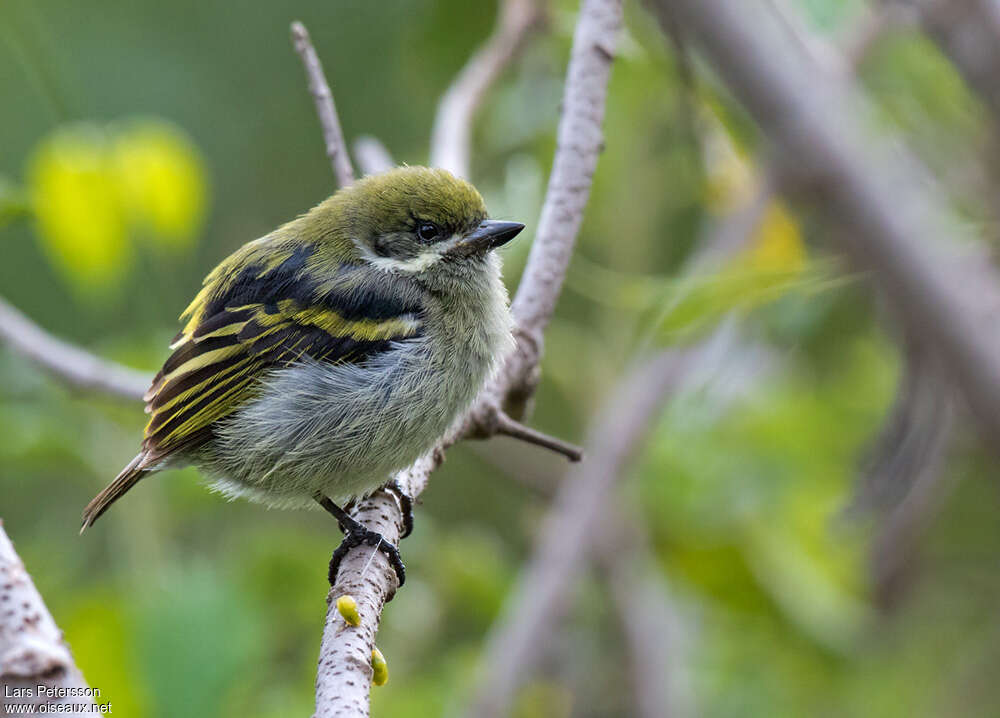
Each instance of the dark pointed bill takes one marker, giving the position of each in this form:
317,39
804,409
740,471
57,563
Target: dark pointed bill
493,233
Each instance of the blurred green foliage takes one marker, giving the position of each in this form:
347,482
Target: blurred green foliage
182,604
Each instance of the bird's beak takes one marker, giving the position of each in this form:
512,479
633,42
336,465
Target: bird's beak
492,234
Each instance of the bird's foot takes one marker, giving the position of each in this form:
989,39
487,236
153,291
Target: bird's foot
358,534
405,505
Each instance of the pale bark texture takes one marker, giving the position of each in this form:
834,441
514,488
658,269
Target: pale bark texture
32,650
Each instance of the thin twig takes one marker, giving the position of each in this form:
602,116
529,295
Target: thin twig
517,430
32,650
336,148
344,673
71,364
451,138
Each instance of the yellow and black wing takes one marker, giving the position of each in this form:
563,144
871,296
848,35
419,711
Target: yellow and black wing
247,323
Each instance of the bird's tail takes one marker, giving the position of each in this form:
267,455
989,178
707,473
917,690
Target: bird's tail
128,478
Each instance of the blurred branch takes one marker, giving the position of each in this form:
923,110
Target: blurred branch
649,623
866,33
73,365
904,462
968,32
895,546
567,534
913,438
336,148
451,137
32,650
903,480
645,610
948,298
372,156
344,673
737,228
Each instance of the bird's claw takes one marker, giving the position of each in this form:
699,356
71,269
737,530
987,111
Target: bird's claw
405,505
357,535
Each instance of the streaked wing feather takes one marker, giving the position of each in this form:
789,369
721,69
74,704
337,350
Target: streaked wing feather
219,360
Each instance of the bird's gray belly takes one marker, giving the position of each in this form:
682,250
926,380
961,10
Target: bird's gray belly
340,429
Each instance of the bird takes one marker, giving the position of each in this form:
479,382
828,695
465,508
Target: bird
320,359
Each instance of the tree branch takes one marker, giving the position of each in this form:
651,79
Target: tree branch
32,650
580,141
73,365
344,672
451,138
947,298
333,137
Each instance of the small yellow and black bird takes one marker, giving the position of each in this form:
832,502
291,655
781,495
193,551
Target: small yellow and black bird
323,357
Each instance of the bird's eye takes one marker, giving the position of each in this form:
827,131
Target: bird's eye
428,231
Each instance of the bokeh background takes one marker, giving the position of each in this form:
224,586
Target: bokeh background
144,141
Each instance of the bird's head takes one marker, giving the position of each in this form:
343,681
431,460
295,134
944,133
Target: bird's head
421,222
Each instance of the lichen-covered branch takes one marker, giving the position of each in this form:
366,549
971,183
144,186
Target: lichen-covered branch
69,363
344,675
32,651
319,88
451,138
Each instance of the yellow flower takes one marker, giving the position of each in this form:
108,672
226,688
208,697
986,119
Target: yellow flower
777,245
75,198
161,180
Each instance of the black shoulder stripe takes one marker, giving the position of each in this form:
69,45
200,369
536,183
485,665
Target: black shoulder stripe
255,285
351,296
367,304
220,320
